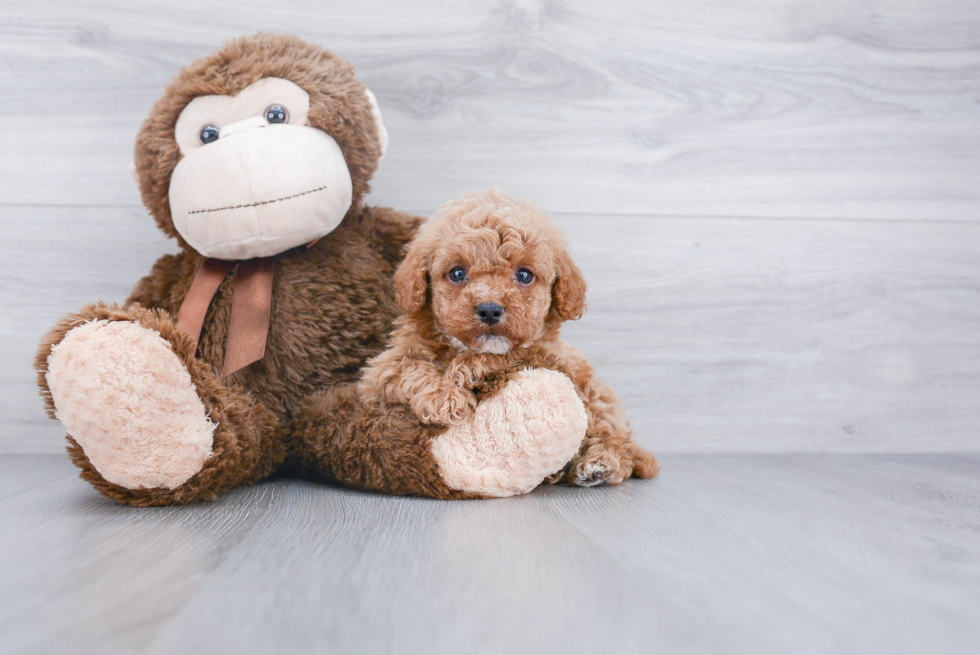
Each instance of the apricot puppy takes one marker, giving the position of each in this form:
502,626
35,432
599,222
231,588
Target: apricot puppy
484,288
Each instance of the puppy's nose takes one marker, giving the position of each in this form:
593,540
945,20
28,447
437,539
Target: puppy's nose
489,312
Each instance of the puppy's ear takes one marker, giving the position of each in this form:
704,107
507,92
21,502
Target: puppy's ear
411,283
568,293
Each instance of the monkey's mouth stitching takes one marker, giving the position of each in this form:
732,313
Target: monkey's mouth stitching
257,204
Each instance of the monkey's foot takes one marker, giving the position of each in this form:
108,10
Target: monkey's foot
128,400
525,433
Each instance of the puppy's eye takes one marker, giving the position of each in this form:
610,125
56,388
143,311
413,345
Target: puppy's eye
276,114
524,276
458,274
209,133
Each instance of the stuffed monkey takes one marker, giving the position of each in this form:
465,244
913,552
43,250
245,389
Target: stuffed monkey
256,160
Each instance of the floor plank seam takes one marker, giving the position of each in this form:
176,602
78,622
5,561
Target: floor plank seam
37,486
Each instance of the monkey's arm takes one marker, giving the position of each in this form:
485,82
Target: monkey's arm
507,448
156,290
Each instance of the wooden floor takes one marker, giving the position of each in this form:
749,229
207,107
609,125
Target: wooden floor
721,554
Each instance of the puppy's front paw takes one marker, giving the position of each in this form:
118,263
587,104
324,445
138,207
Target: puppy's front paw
459,405
444,405
597,467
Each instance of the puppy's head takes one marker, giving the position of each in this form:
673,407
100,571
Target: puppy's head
491,272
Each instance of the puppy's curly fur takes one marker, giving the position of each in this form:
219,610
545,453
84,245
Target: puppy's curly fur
483,251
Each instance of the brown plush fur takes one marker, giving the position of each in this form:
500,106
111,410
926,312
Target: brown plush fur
333,303
438,362
338,437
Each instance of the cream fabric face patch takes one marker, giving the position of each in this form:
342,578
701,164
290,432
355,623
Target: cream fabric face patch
252,101
260,192
256,189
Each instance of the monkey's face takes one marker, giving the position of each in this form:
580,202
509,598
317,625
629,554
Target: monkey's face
254,179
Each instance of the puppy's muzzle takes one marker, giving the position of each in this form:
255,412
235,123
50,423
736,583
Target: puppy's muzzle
489,312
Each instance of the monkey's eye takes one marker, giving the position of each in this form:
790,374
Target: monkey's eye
524,276
276,114
457,275
209,133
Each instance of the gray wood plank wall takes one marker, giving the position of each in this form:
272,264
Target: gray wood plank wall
777,203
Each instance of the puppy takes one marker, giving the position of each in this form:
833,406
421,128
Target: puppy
484,288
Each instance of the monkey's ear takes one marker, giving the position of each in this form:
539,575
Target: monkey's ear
376,114
568,293
411,281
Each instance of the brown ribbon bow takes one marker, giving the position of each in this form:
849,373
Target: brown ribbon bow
251,307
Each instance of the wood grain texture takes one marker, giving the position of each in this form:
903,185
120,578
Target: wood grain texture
776,203
840,109
744,554
721,335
